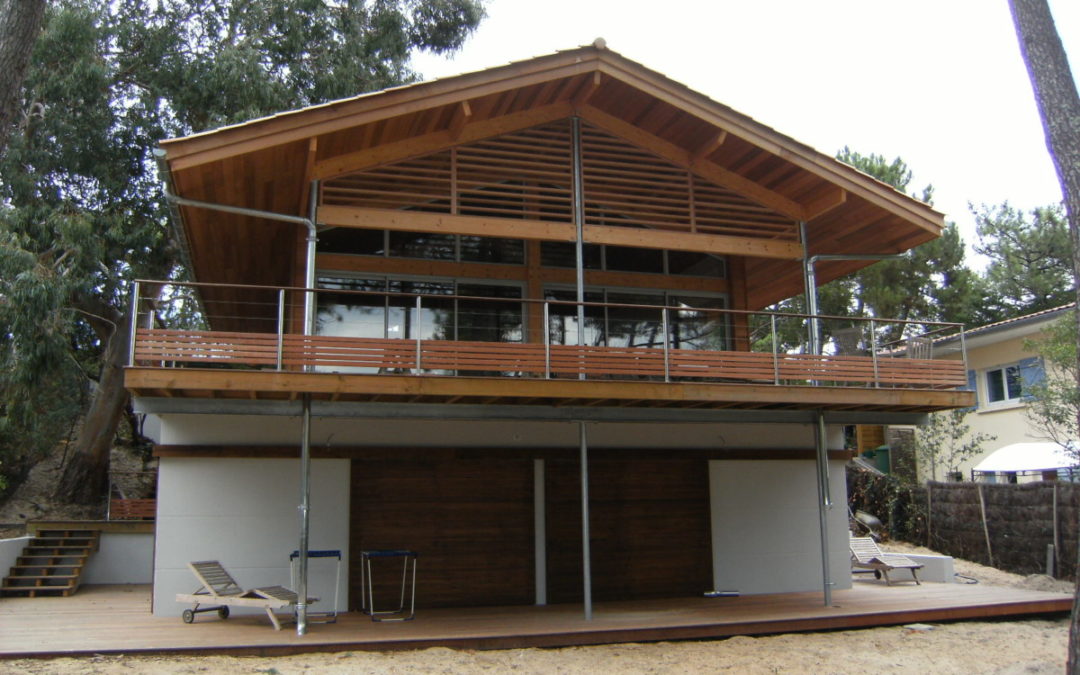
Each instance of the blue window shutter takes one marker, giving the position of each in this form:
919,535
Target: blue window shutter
1032,374
972,378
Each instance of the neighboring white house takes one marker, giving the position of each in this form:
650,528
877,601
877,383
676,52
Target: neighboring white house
1002,372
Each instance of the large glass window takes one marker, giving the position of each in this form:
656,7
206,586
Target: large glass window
422,245
441,318
627,320
632,259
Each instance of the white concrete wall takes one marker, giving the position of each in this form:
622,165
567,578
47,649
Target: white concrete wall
243,512
121,559
765,527
9,551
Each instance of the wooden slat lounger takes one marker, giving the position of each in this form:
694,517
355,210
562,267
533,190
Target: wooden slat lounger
865,554
220,588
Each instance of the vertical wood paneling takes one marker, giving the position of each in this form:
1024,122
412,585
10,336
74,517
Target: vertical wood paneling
470,520
649,529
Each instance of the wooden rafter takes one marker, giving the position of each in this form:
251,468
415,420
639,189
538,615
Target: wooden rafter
682,158
438,141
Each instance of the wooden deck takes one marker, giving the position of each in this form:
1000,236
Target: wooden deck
117,619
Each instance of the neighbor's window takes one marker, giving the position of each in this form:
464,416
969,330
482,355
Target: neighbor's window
1003,384
1013,382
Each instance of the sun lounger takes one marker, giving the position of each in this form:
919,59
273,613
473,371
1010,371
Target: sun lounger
865,554
220,591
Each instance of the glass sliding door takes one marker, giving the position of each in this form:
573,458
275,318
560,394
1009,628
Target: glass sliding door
490,313
693,328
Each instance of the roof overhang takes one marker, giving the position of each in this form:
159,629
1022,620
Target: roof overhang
268,164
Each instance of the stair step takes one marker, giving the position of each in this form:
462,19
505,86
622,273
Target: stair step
38,583
56,547
62,541
22,577
39,591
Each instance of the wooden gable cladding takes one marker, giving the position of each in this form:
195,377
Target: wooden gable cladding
527,175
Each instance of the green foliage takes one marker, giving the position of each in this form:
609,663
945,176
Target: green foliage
1030,258
81,210
1055,405
946,442
899,504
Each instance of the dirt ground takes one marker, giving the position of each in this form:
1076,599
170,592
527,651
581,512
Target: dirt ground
1004,647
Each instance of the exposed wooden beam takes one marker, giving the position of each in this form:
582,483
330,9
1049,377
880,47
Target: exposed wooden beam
690,241
194,381
413,221
309,172
705,169
462,115
440,140
591,85
709,148
534,276
832,198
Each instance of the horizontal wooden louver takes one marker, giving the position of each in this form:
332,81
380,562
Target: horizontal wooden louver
528,175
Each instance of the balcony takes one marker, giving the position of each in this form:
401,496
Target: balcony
440,348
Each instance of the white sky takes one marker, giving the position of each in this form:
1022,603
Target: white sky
938,82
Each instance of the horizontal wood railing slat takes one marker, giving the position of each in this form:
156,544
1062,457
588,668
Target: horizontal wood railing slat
161,346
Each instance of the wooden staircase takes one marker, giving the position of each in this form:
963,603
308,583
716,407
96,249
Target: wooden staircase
51,564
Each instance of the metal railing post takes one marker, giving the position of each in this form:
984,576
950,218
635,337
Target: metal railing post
775,350
280,325
963,350
547,341
134,322
873,354
418,334
667,350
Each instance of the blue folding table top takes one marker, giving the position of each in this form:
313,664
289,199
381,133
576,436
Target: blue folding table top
389,553
316,554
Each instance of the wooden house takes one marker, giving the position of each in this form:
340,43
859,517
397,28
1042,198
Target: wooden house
515,319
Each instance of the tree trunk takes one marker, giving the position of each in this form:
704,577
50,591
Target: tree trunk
1059,107
85,477
20,22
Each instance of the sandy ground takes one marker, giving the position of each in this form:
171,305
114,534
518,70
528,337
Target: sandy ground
1007,647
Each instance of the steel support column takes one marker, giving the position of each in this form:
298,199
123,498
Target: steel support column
305,440
579,228
305,497
586,547
824,502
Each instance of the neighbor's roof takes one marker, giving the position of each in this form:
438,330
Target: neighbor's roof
1020,326
269,163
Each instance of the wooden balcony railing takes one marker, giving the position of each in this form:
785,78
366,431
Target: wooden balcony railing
865,352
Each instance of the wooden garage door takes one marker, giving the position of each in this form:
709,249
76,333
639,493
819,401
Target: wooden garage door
471,520
649,528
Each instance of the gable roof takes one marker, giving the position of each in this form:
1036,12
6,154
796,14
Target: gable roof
268,163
